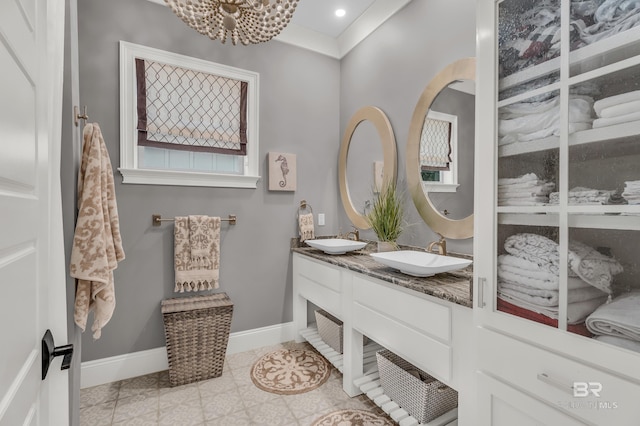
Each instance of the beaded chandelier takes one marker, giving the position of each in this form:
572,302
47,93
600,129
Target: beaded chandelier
246,21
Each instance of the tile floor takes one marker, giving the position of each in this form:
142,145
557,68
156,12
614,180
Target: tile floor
229,400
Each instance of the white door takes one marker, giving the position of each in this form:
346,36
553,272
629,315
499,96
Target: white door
32,274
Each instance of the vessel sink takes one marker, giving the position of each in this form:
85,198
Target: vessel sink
420,263
336,245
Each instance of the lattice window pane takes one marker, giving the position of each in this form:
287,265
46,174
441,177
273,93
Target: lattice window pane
182,109
435,145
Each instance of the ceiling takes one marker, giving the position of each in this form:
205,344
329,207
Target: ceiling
315,27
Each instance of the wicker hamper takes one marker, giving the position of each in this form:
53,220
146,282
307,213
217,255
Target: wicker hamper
197,332
424,398
330,330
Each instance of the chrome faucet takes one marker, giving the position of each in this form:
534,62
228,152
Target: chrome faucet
355,233
441,245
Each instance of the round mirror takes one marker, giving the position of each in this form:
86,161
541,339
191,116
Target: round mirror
435,155
387,169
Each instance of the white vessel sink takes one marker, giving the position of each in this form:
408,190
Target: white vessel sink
336,245
420,263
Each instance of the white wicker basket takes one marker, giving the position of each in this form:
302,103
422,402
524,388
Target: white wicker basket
424,398
329,329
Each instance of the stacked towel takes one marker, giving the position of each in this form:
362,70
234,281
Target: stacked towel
526,190
305,225
632,192
619,321
97,245
527,121
528,276
622,108
584,196
196,253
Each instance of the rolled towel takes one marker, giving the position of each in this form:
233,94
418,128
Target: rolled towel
619,341
620,318
622,98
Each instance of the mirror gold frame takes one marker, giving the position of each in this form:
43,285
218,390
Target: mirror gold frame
379,119
463,69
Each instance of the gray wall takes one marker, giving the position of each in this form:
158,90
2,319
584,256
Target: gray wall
391,68
306,100
299,100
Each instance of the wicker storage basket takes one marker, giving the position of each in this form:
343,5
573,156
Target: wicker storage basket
330,330
197,332
424,398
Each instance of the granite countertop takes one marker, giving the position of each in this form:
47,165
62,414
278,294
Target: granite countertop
454,286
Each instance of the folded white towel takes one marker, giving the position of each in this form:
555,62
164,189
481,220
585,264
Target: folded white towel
620,109
545,297
576,312
605,122
610,101
529,177
620,318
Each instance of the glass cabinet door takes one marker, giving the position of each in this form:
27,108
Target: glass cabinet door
567,205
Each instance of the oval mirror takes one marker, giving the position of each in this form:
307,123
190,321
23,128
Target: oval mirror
389,162
432,156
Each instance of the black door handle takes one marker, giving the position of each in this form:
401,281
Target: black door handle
50,351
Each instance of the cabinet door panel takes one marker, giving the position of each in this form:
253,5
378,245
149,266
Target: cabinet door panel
503,405
581,390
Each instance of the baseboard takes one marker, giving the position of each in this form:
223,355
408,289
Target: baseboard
120,367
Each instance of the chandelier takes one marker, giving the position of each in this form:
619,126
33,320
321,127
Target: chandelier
246,21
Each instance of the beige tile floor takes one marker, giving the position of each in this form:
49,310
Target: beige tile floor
229,400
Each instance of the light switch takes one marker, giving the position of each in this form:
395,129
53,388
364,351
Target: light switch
320,219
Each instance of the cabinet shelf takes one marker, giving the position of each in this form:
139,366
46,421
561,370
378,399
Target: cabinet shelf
621,139
596,220
611,49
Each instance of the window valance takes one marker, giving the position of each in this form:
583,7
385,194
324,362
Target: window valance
183,109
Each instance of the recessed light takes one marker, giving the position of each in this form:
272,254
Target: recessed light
340,13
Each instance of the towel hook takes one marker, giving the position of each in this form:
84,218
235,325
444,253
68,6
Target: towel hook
77,116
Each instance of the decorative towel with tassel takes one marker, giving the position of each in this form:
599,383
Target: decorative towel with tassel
197,253
305,223
97,245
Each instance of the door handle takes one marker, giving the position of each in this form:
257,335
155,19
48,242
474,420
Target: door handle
50,351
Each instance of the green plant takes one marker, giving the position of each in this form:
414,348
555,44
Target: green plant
385,216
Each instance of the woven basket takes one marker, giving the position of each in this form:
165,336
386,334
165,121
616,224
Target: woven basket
330,330
196,330
424,398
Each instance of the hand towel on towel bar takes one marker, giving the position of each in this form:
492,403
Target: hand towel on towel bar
196,253
97,245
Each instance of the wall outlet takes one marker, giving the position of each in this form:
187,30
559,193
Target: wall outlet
320,219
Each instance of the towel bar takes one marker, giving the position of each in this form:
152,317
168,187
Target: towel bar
157,219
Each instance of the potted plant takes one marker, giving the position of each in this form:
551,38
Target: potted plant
385,217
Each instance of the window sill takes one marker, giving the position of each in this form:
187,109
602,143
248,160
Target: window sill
182,178
440,187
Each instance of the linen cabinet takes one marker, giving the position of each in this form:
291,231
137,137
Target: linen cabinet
557,217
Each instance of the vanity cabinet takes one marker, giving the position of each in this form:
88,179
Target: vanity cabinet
557,219
433,334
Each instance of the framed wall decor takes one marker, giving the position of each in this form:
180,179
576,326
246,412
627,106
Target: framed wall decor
282,171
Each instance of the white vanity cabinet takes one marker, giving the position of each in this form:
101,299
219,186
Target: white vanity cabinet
559,136
433,334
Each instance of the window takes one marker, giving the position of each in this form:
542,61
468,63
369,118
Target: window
186,121
438,152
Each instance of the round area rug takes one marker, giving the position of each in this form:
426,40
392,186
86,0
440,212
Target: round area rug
352,418
290,371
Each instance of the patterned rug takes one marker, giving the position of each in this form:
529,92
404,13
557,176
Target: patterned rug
352,418
290,371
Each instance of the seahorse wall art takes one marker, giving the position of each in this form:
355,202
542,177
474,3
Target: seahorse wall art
282,171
